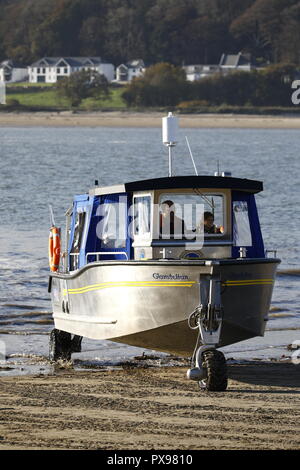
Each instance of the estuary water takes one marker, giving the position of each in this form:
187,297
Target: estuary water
40,165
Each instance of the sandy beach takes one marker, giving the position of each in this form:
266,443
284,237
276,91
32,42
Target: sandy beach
133,119
137,408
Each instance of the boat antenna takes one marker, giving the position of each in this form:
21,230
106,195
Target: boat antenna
52,221
205,198
191,155
169,135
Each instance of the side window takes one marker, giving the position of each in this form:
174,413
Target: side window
78,232
142,216
241,226
77,240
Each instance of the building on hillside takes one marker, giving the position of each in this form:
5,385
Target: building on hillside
11,72
232,62
196,72
228,63
126,72
53,69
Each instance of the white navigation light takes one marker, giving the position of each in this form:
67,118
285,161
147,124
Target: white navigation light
170,130
223,173
170,135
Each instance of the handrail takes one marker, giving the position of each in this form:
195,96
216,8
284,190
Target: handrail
99,253
270,251
75,261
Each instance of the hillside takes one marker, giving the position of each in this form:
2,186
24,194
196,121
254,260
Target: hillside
176,31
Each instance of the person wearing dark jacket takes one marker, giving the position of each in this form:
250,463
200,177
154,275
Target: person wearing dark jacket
209,226
170,226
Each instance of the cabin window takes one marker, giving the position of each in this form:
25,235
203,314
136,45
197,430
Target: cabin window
191,214
78,232
112,228
142,216
77,240
241,226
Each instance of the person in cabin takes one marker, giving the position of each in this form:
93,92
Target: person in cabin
170,226
209,225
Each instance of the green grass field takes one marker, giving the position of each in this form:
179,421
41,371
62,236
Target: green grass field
46,96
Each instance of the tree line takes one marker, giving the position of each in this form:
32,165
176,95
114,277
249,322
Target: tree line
175,31
166,85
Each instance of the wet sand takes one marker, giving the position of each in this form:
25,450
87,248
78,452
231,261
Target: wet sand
137,408
133,119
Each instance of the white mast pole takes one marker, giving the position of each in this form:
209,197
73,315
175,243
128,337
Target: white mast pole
170,160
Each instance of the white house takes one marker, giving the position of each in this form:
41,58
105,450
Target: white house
11,72
126,72
228,63
52,69
231,62
196,72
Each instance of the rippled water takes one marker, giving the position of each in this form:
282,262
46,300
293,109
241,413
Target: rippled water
43,165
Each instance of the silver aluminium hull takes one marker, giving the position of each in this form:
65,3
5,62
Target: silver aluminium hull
147,303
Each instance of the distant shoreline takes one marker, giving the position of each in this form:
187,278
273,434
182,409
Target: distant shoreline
145,119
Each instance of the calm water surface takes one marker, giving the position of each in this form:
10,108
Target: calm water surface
39,166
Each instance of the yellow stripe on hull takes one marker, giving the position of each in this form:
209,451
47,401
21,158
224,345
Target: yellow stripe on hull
107,285
249,282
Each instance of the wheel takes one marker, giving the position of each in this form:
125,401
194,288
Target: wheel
76,343
215,367
60,345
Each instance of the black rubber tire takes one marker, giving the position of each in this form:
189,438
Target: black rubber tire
214,364
60,345
76,343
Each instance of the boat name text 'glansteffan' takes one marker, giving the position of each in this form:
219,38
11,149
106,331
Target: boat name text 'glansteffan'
172,277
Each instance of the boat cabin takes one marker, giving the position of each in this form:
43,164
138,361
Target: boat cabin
177,217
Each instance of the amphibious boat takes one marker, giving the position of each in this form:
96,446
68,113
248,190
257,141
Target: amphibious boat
175,264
